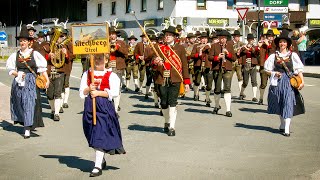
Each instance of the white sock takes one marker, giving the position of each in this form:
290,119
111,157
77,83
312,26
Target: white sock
57,106
123,79
127,83
207,95
27,131
147,89
287,125
51,103
172,116
217,100
222,85
116,101
99,159
136,83
282,124
240,85
202,82
66,95
155,98
61,99
261,93
227,99
196,90
165,113
140,84
254,90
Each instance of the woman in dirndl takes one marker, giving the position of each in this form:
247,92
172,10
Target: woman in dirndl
25,101
105,136
282,96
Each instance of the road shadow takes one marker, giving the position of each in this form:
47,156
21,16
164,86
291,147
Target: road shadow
244,101
137,127
74,88
7,126
258,128
81,112
193,104
139,97
185,98
198,111
145,112
253,110
76,162
144,106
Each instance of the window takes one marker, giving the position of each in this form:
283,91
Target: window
201,4
143,5
99,9
160,4
128,6
113,8
230,3
304,5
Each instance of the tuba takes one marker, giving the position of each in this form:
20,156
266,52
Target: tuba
59,58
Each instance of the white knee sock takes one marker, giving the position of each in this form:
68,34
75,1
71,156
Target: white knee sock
222,85
127,83
217,100
66,95
254,90
282,124
172,116
51,103
57,106
61,99
136,83
116,101
202,82
196,90
227,100
287,122
165,113
27,131
207,95
261,93
240,85
99,159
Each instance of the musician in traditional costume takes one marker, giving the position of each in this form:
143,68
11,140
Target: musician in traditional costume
250,63
172,66
202,67
132,66
191,38
282,97
149,54
25,100
105,135
118,54
236,65
58,57
222,55
266,48
139,53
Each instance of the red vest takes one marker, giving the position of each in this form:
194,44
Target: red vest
102,82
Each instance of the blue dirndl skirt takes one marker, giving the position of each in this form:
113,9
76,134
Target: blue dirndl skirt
106,134
281,98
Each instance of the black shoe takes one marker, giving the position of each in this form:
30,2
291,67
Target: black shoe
228,114
146,96
208,104
104,164
281,130
26,137
171,132
137,90
161,113
119,108
61,110
56,117
286,134
65,105
156,105
183,96
260,102
209,101
241,97
203,88
196,98
215,110
124,86
126,89
52,115
254,99
95,174
222,95
166,127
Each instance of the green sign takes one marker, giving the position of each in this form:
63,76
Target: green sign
217,21
268,3
314,23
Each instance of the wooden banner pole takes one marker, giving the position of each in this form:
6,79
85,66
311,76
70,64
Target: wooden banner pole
94,110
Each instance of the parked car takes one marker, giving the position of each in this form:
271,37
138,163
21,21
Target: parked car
312,55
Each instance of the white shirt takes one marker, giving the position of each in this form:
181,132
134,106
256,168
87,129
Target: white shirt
114,83
41,62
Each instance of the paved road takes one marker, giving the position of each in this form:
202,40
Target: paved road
207,146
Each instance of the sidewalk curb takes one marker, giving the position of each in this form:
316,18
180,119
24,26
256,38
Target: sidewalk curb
314,75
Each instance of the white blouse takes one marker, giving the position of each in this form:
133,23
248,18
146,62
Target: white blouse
114,83
269,65
41,62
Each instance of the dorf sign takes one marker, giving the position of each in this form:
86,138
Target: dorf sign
275,3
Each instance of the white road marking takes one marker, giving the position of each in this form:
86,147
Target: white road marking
309,85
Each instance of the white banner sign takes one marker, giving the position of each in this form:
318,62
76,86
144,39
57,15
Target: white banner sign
276,10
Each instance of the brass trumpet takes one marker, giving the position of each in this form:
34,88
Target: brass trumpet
112,46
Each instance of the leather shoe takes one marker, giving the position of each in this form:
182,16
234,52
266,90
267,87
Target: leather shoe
208,104
228,114
196,98
104,164
166,127
26,137
215,110
146,96
161,113
286,134
171,132
137,90
156,105
260,102
56,117
119,108
254,99
241,97
65,105
61,110
95,174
